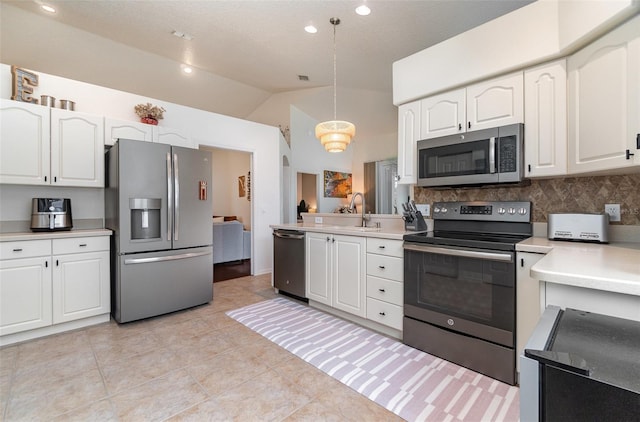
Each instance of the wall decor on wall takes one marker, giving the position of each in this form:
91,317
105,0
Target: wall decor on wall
336,184
241,187
23,83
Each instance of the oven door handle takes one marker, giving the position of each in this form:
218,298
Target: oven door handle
493,256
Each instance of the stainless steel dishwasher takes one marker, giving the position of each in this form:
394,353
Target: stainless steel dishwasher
289,262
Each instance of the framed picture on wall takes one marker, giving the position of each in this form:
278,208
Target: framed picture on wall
242,191
336,184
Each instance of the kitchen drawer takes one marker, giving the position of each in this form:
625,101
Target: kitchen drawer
80,245
385,247
385,266
384,313
25,249
386,290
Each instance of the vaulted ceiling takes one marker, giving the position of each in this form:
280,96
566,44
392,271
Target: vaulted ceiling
248,50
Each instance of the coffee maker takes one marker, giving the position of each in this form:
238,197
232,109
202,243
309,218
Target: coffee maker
50,214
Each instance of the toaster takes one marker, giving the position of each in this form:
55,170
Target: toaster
49,214
578,227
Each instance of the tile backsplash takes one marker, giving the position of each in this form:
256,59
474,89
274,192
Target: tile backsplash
570,194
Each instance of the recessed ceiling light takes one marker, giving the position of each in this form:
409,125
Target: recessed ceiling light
363,10
311,29
48,8
187,69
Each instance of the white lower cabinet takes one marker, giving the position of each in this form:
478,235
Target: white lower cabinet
52,281
385,288
335,268
80,278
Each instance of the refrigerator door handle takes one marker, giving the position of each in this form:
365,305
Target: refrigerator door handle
169,197
176,231
165,258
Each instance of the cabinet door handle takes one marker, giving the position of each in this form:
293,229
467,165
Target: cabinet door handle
82,245
522,262
529,167
46,264
381,290
45,178
55,179
328,238
382,313
629,154
381,267
57,263
459,126
17,250
469,125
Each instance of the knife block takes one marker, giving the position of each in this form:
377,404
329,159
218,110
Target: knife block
416,224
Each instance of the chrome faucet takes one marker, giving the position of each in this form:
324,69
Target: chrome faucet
353,204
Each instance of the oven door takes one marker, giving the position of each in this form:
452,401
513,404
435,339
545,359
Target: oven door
470,291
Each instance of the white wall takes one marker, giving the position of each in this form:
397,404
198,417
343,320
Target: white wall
206,129
227,166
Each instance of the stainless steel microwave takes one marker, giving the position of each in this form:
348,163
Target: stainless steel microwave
487,156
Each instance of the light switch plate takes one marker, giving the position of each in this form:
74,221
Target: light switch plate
318,220
425,209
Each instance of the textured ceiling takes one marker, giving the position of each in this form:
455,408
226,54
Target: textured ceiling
262,43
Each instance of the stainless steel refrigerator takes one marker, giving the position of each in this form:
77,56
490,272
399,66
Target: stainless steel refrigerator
158,203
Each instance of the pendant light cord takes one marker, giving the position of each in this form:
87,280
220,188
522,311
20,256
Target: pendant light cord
335,22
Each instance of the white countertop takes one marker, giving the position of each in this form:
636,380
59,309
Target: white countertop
384,233
11,237
611,267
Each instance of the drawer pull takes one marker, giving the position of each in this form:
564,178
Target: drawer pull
382,313
381,247
17,250
82,245
381,290
381,267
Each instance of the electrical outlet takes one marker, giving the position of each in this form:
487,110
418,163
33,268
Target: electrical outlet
613,210
318,220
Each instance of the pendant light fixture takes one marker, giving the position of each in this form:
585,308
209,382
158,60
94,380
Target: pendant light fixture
335,134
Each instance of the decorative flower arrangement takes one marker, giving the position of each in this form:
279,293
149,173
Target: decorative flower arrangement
149,114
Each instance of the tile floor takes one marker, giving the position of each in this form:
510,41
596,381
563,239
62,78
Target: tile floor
194,365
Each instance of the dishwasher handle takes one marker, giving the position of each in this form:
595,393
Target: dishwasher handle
289,235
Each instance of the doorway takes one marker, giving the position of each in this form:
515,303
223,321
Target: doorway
307,193
232,212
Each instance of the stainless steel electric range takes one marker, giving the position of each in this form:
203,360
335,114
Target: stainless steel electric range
460,285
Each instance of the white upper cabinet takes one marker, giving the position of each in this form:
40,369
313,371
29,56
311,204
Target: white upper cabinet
443,114
604,102
24,143
545,120
43,146
114,129
173,137
408,136
488,104
496,102
77,149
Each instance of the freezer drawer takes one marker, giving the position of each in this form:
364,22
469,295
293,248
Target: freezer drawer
150,284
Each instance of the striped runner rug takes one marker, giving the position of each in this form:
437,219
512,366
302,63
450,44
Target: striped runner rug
410,383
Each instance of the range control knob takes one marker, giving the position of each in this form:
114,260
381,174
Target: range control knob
522,211
501,210
444,210
436,210
512,210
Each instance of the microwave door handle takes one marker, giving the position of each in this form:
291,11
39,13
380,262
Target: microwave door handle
492,155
